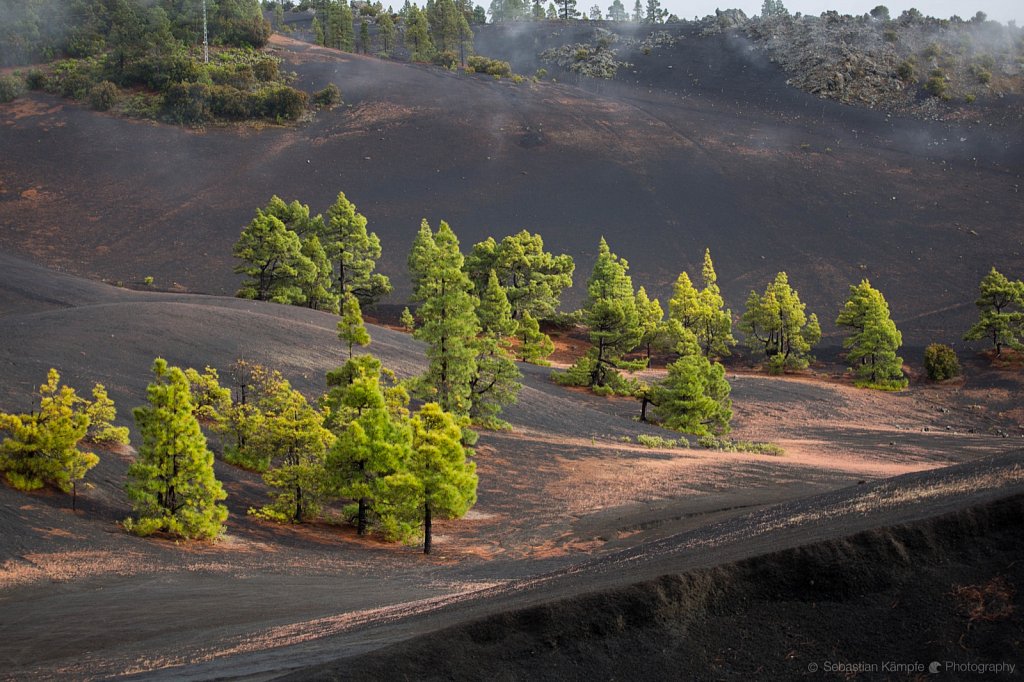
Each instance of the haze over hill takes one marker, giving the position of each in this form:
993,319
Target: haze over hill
716,151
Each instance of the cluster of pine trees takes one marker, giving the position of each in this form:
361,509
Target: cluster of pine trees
441,28
522,10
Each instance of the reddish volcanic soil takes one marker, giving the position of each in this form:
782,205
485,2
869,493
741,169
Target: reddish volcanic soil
716,152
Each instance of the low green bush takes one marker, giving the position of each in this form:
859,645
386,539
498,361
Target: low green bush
104,96
328,97
11,87
492,67
941,362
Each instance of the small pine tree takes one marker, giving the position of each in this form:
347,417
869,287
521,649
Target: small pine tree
318,32
102,414
353,252
650,315
272,259
1001,312
294,440
777,326
351,329
873,345
407,320
172,485
694,397
42,447
534,345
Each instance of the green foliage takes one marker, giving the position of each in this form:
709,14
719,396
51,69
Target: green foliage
351,329
875,340
494,311
491,67
662,442
42,447
272,261
446,59
210,400
172,485
102,413
937,84
614,324
777,326
533,278
386,33
407,320
694,397
651,317
103,96
702,312
450,325
773,8
292,437
329,97
417,36
534,345
316,285
1000,305
725,445
449,27
12,86
339,30
353,252
439,480
369,454
941,362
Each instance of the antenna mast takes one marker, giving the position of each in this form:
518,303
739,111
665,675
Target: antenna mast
206,38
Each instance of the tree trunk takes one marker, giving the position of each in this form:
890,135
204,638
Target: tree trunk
643,407
74,494
362,516
298,504
426,527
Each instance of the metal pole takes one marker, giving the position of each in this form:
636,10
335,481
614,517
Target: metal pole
206,38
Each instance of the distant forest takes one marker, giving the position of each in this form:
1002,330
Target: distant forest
40,30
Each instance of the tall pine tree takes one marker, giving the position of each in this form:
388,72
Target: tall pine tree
450,325
873,345
1000,312
172,485
353,252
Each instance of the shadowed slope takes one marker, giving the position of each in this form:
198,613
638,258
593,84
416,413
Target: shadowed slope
769,178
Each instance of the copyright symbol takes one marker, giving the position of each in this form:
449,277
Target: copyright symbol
812,667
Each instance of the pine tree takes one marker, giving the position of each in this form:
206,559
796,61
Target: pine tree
449,322
102,412
533,278
42,447
567,9
293,439
875,340
386,31
703,312
638,12
407,320
655,14
617,11
172,484
694,396
650,315
776,325
353,253
537,11
374,446
417,36
444,481
551,13
351,329
272,258
534,345
496,382
614,324
1001,312
364,36
316,288
318,32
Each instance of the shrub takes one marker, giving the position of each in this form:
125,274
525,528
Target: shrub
660,442
11,87
284,103
936,84
725,445
328,97
104,96
941,362
188,103
247,458
266,69
231,103
906,71
492,67
35,80
447,59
